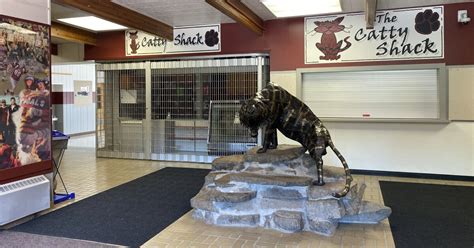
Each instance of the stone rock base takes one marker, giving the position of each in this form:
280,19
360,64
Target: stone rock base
274,190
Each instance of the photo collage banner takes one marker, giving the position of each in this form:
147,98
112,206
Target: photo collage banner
25,121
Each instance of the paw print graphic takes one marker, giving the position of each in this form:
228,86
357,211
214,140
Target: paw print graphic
427,22
211,38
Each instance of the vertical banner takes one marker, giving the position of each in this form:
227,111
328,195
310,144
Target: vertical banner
25,122
402,34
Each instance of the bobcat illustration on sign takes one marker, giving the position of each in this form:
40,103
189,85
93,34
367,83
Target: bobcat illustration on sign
329,45
133,41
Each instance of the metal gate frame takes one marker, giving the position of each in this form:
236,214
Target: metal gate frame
261,61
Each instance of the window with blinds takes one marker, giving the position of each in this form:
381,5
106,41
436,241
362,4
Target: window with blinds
376,94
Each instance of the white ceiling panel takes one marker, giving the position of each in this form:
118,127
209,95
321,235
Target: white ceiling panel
59,11
177,12
198,12
355,5
359,5
259,9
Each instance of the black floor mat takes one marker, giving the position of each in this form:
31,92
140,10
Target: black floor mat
428,215
129,214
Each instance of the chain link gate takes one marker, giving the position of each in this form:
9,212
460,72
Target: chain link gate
184,110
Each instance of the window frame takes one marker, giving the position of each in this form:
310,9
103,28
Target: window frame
442,86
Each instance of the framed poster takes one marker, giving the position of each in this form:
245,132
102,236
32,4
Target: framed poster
25,121
82,92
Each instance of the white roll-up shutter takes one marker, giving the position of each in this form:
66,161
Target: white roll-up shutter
398,94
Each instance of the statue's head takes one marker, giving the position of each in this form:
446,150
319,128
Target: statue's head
254,114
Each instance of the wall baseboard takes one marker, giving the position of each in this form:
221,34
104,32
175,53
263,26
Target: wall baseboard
413,175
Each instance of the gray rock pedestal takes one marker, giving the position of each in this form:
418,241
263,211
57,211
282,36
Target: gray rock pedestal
274,190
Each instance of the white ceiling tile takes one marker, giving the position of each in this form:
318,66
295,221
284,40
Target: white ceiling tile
346,5
177,12
198,12
259,9
357,5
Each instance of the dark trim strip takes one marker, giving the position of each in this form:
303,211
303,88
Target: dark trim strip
413,175
54,49
29,170
81,134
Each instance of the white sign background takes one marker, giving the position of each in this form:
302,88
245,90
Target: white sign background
82,92
186,40
402,21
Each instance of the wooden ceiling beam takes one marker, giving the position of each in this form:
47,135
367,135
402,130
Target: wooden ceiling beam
238,11
69,33
370,9
116,13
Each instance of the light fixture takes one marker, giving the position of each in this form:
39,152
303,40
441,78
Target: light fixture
289,8
92,23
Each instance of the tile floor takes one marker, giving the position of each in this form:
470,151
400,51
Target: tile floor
85,140
87,175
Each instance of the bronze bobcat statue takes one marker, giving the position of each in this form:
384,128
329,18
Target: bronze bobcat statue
274,108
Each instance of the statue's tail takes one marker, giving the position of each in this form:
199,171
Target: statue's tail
349,179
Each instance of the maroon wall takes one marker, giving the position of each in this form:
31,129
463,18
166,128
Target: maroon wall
62,98
284,40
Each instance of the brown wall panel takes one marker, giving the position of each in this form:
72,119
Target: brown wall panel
30,170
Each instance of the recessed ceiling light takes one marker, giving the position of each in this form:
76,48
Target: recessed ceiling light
92,23
288,8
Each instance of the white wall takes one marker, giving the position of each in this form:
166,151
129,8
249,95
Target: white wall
76,118
402,147
33,10
461,93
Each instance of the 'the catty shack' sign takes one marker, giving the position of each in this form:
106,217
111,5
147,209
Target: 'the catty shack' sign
401,34
185,40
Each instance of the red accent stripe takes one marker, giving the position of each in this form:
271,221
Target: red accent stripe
66,97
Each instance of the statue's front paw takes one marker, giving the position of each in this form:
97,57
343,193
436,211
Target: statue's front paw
262,150
272,147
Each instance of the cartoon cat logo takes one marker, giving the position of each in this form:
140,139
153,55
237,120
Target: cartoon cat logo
329,45
133,43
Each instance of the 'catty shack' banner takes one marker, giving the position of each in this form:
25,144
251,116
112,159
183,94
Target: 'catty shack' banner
185,40
402,34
